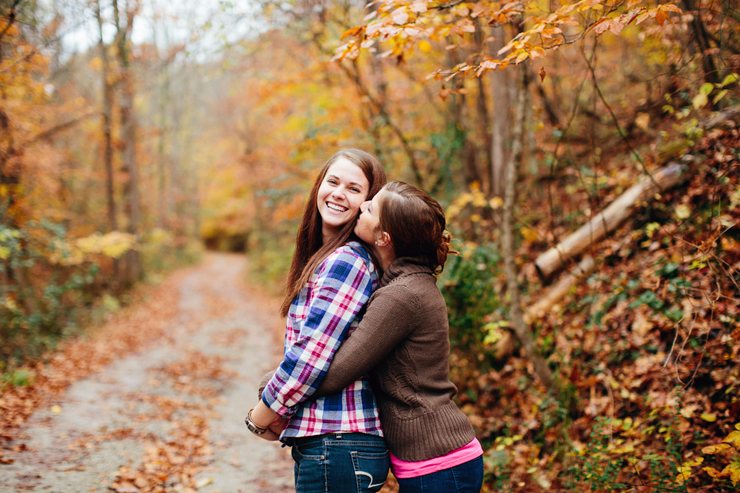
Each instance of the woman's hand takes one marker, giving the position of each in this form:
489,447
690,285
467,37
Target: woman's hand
264,417
278,425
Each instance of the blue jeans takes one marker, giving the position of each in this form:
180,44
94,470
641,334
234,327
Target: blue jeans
341,462
465,478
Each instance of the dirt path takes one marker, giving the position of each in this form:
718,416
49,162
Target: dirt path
171,415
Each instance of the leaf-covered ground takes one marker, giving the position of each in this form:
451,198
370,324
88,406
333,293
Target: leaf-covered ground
647,346
154,400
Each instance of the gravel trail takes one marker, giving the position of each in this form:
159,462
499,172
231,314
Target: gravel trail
171,415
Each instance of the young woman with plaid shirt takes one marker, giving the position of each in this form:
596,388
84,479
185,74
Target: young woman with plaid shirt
337,440
403,342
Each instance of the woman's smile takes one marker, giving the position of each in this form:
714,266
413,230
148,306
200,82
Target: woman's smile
336,207
343,189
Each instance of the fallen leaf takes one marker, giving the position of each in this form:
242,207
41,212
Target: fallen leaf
204,482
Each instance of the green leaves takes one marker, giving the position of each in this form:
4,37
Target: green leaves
702,98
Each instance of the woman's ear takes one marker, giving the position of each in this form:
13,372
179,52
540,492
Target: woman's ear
384,240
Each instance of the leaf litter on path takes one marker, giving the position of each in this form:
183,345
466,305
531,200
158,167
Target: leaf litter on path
154,401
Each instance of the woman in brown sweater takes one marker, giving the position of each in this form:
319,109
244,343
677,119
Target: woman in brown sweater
403,342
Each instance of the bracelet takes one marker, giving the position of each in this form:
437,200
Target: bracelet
252,426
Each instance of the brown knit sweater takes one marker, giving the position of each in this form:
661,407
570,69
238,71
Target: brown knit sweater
403,341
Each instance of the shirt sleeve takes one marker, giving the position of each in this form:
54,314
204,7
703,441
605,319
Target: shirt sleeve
390,317
341,287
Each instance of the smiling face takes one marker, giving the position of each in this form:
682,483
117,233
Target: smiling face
341,193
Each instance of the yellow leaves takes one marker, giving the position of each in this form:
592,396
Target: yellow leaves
10,304
709,417
400,16
702,98
425,46
643,121
733,471
730,446
476,198
462,10
418,7
734,437
202,482
494,332
684,472
683,211
113,244
529,235
521,57
496,203
96,63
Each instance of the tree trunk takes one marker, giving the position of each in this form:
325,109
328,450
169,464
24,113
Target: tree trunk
107,126
484,121
607,220
107,122
521,330
128,134
163,198
501,110
701,38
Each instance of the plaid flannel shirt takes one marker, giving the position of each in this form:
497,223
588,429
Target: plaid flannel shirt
323,314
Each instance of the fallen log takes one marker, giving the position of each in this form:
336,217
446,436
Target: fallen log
505,345
561,289
608,219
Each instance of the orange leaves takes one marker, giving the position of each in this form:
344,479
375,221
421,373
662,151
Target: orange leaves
353,31
406,22
606,24
78,359
730,448
661,12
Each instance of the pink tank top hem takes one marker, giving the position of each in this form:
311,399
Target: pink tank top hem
404,469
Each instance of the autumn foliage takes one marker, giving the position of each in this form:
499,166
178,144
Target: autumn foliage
645,350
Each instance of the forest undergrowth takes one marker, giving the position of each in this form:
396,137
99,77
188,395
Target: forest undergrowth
646,348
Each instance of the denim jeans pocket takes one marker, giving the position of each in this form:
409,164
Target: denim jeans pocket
309,470
371,469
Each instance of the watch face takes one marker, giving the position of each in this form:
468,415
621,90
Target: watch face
253,427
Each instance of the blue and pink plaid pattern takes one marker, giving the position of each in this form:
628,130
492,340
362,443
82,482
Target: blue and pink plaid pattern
323,314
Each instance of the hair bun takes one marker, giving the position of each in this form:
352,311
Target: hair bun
443,250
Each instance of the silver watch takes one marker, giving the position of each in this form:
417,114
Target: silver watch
257,430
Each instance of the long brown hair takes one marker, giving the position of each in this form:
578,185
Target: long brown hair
309,250
416,224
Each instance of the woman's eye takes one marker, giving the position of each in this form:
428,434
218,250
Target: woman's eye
356,190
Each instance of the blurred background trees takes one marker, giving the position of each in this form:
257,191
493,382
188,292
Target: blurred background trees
135,132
